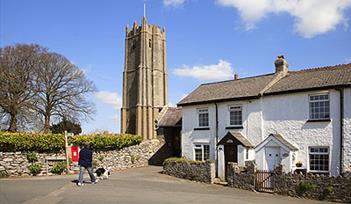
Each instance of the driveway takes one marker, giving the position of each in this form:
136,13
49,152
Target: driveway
142,185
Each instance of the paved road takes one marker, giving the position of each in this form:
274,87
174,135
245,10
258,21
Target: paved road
143,185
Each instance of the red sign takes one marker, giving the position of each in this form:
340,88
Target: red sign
75,154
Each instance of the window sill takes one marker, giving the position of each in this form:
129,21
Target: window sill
202,128
234,127
319,120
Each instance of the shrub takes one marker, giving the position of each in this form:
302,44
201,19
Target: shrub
10,142
59,167
303,187
106,141
32,157
35,169
183,160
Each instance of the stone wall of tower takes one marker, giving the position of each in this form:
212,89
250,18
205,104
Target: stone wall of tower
145,86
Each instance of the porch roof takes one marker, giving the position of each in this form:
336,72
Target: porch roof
235,137
280,139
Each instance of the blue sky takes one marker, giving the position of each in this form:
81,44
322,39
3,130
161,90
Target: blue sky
207,40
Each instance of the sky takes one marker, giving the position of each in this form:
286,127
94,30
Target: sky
207,40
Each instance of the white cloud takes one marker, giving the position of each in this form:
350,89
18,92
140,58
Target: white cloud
220,71
312,17
111,98
174,3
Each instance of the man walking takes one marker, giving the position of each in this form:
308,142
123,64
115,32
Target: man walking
85,162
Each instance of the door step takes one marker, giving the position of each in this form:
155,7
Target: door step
219,182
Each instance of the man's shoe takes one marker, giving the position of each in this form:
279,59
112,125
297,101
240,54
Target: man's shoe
80,184
94,182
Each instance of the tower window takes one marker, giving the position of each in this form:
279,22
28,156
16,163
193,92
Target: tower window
150,44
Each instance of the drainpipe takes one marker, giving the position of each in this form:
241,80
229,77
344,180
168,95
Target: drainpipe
216,140
341,92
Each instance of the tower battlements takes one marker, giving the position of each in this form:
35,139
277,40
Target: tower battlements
151,29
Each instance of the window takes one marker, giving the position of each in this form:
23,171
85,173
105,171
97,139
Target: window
319,107
319,159
150,44
235,116
202,152
203,117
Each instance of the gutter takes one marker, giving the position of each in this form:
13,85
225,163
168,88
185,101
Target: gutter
341,91
216,140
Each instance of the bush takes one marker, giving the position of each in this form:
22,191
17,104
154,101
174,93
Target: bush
10,142
35,169
106,141
32,156
59,167
184,160
303,187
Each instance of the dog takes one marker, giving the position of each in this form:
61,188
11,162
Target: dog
102,173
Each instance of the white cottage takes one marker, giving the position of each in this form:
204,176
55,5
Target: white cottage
299,119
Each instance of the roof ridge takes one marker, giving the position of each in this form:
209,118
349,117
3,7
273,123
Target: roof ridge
218,82
337,66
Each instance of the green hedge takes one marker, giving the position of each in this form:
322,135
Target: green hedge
10,142
106,141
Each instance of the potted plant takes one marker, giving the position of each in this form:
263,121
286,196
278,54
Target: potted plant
298,164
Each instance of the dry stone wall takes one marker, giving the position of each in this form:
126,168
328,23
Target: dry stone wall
192,170
16,163
313,186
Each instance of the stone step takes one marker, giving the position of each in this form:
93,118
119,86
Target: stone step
219,182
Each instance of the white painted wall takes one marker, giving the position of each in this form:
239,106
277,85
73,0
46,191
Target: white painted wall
288,114
285,114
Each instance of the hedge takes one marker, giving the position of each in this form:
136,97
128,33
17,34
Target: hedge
10,142
106,141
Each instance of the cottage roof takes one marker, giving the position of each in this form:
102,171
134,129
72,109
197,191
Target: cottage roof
235,137
171,118
231,89
251,87
325,77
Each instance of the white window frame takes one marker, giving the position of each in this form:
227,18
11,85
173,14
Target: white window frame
202,111
318,153
200,146
234,108
314,101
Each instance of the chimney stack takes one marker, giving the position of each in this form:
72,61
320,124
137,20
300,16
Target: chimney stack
236,76
281,65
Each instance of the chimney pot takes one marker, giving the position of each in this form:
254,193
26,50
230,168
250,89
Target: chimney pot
236,76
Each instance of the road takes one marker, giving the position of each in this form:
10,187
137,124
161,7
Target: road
142,185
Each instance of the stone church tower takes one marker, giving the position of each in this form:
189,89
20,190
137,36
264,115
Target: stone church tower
145,83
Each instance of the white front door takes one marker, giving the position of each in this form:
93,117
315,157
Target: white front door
272,157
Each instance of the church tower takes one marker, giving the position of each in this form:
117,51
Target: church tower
145,83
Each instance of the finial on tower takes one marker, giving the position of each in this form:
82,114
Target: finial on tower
144,8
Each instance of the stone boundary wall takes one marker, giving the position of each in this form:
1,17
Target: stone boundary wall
312,186
191,170
16,163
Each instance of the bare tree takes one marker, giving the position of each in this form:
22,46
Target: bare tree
16,81
61,89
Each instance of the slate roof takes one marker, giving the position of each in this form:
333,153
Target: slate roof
171,118
232,135
246,88
281,139
226,90
339,75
